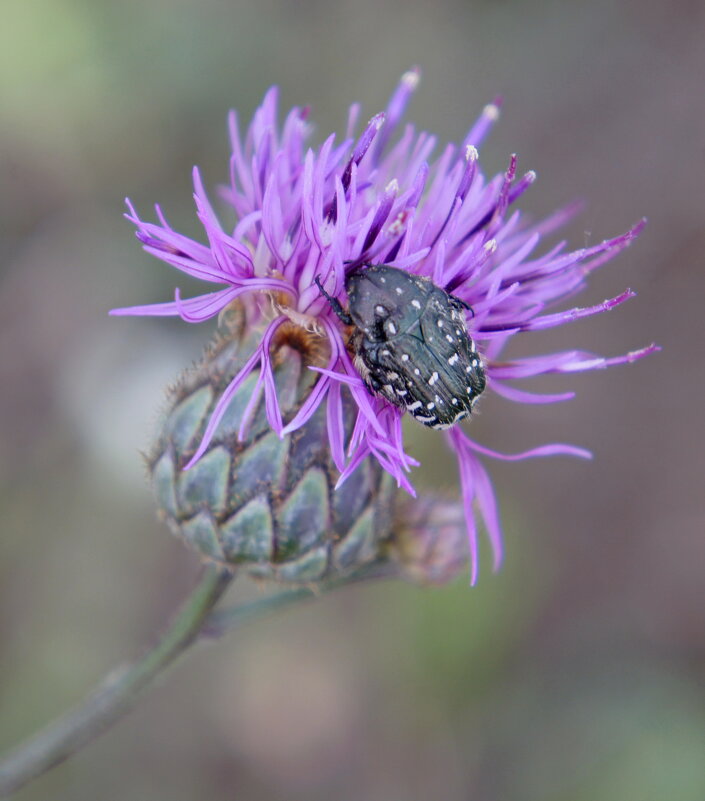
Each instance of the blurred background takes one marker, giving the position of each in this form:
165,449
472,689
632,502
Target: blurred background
577,672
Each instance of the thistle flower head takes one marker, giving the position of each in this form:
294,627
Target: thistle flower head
387,195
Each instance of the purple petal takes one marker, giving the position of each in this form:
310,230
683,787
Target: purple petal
196,310
361,395
522,396
381,214
554,449
189,309
336,427
536,365
322,386
224,400
490,115
343,378
552,320
202,271
274,415
361,454
250,408
521,186
396,108
361,148
487,502
456,439
600,362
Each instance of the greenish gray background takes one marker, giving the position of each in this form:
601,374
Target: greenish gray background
574,674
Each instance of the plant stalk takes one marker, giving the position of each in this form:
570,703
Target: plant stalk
116,695
118,692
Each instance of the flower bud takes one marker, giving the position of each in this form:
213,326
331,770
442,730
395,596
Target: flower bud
430,541
255,499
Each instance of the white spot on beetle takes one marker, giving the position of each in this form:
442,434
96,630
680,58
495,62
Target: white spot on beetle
385,352
422,419
417,371
431,405
468,390
449,338
402,392
405,357
453,359
380,309
454,401
440,323
399,290
391,327
415,304
432,380
415,405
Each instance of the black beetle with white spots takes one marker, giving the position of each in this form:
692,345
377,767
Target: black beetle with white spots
411,343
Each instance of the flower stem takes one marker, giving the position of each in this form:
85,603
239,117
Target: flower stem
115,696
223,621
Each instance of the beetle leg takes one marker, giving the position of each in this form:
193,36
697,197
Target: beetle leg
460,304
374,382
343,316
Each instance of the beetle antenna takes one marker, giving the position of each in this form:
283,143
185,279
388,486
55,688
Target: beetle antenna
337,307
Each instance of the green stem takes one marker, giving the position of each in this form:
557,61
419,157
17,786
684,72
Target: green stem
222,621
111,700
115,696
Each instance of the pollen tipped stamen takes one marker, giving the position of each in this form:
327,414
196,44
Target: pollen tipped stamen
463,188
396,108
490,114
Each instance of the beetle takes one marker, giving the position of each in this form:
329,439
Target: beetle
411,344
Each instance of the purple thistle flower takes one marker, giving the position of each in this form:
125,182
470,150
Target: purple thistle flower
305,213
